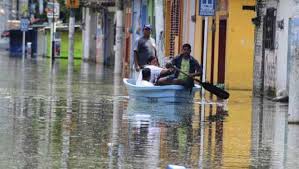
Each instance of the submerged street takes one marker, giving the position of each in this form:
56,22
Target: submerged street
80,116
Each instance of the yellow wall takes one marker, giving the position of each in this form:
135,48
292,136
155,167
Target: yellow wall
239,44
197,40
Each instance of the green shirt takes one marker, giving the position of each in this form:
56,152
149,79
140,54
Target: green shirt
185,66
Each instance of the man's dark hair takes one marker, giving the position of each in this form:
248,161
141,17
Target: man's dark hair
187,45
146,73
150,59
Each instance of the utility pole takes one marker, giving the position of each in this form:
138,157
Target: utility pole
53,32
29,9
10,8
119,37
259,51
71,32
17,9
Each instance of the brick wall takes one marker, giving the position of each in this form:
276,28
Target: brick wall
175,24
172,25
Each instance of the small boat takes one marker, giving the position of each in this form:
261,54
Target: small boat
167,93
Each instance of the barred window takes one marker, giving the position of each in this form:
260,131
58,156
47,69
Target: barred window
269,28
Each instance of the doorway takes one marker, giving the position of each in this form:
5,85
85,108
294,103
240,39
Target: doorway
222,51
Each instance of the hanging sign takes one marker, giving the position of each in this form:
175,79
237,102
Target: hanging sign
72,3
207,7
53,10
24,25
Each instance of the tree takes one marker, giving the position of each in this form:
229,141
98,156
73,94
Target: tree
65,12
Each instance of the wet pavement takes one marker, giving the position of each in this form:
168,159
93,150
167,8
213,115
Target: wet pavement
79,116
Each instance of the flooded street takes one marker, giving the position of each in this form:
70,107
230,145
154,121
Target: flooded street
80,116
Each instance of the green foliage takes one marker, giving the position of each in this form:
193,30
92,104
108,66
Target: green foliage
24,10
65,12
65,43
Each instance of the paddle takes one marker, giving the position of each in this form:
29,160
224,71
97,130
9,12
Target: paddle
208,86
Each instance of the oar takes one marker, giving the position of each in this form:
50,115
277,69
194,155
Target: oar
208,86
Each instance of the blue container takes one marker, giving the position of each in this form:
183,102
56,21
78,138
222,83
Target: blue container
16,39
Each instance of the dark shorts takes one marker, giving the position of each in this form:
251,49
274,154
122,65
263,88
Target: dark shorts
170,77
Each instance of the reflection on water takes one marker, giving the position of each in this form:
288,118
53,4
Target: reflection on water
274,142
167,133
79,116
158,133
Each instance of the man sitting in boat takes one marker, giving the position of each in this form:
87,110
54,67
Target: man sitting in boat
146,75
155,70
183,63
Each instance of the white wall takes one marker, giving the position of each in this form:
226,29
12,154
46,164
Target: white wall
270,59
159,30
189,25
283,13
137,26
86,32
295,7
192,25
5,7
276,68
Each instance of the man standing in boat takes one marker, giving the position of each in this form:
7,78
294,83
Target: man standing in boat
184,63
144,49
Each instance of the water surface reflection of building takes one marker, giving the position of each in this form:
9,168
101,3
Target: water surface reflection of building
274,141
160,134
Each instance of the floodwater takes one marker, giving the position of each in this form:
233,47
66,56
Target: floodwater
79,116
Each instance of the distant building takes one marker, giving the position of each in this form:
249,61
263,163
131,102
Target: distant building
5,13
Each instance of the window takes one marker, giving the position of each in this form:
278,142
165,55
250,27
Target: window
269,28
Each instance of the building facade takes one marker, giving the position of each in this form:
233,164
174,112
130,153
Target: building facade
230,39
272,60
230,35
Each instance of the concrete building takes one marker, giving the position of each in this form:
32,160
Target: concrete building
174,23
272,48
276,60
137,14
98,30
5,13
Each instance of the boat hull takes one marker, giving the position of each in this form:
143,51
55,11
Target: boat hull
168,93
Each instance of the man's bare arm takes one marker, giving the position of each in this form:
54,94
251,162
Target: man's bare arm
166,72
137,67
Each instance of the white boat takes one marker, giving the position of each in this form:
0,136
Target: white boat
168,93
